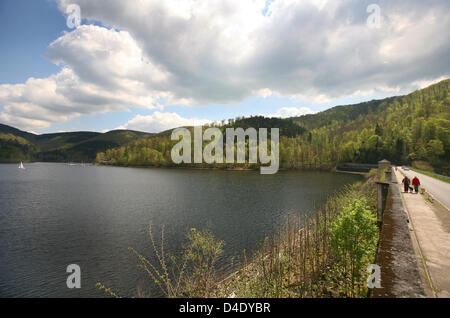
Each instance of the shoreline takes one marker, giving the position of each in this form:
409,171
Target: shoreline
328,169
325,169
333,169
290,237
352,172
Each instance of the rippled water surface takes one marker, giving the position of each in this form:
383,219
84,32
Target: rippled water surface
53,215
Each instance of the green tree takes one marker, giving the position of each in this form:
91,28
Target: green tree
353,237
435,148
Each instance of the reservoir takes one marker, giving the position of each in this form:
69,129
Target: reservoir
53,215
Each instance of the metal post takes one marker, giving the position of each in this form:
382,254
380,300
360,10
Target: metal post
379,202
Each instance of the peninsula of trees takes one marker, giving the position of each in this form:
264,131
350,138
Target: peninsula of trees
409,129
403,129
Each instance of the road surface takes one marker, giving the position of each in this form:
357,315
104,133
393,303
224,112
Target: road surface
430,231
440,190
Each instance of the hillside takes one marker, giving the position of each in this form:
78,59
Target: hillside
16,145
409,129
404,129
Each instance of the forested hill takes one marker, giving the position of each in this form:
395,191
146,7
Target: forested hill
406,129
16,145
410,129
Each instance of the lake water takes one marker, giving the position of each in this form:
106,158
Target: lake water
53,215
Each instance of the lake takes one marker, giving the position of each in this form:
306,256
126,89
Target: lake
53,215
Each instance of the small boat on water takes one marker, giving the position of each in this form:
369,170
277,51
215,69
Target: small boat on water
21,166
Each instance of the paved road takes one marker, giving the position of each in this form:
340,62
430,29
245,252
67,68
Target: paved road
431,239
440,190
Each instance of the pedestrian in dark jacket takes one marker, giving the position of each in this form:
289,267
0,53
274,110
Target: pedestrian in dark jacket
405,182
416,184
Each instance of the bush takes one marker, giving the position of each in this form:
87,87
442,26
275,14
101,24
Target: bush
300,261
353,242
191,276
201,254
323,255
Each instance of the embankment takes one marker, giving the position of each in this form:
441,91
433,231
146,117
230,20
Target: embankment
400,273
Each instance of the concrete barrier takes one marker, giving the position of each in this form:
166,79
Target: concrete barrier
400,273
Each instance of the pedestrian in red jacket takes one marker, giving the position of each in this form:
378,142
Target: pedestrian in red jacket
416,184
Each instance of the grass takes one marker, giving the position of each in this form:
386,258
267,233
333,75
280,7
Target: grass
433,175
423,165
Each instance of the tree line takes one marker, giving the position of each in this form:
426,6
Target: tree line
401,129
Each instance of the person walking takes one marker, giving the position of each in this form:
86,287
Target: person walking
416,184
405,182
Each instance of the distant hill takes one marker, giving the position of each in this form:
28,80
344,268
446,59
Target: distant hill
405,130
16,145
409,129
287,126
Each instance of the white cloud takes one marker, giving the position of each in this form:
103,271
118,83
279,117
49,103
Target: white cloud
263,92
286,112
153,53
159,121
225,51
102,70
425,83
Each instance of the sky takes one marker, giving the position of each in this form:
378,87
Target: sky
155,65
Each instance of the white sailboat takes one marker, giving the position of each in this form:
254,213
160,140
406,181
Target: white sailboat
21,166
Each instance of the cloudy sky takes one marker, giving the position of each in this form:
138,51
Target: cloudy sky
154,65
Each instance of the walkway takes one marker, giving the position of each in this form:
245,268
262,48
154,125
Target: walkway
440,190
430,225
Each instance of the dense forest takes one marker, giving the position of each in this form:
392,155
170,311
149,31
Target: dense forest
17,145
403,129
13,148
408,129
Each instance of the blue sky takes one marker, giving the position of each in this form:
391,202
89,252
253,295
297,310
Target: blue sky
286,74
26,29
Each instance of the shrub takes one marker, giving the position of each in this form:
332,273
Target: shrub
353,241
193,275
201,255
